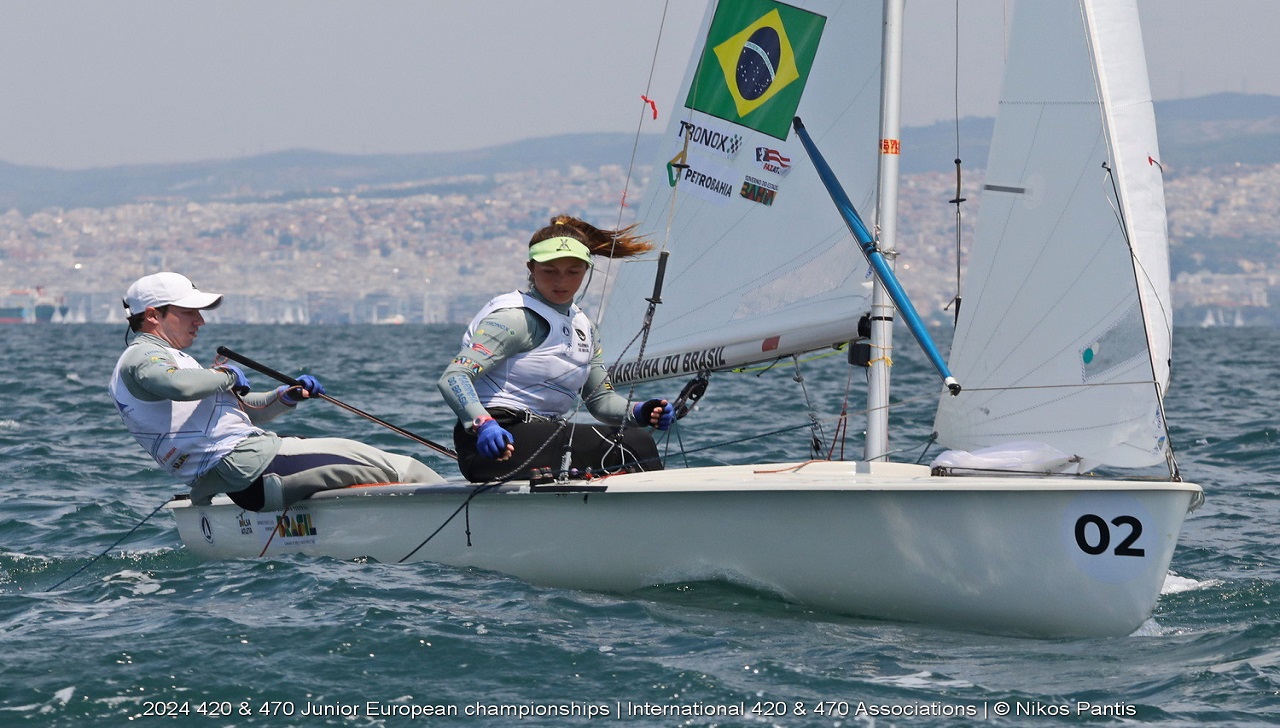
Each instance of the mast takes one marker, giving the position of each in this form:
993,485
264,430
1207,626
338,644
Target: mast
877,444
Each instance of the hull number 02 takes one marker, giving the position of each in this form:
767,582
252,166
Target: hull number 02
1093,535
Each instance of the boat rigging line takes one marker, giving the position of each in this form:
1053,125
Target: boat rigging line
107,550
228,353
815,443
959,198
647,107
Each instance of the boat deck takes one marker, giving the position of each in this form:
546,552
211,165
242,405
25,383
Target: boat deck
795,476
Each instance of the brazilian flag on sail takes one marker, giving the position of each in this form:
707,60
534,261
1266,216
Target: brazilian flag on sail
755,64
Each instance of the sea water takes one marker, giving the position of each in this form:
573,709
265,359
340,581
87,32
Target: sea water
151,635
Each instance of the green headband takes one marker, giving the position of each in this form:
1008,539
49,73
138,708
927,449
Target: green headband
562,247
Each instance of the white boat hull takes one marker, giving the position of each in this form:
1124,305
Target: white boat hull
1035,556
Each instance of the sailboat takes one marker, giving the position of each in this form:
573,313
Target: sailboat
1059,363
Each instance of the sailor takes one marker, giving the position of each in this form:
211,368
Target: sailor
531,358
201,424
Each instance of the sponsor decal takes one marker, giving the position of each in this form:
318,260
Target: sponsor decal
716,141
246,524
582,335
284,530
480,348
757,190
177,464
564,330
689,362
890,146
168,455
771,160
295,525
206,528
770,343
468,363
703,178
755,63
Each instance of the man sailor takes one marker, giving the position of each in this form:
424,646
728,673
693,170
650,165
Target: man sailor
202,425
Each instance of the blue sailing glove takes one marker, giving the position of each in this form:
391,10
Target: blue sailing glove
311,385
307,383
643,413
241,385
492,439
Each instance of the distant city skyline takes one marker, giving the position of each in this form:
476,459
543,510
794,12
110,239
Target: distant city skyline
91,84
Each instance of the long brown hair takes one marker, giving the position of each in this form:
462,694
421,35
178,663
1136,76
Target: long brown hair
621,243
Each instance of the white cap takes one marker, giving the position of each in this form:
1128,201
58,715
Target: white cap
167,289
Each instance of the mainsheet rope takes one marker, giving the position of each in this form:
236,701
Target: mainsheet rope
108,549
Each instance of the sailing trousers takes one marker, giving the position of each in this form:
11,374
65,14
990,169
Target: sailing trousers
598,448
305,466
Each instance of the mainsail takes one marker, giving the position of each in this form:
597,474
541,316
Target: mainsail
761,264
1064,336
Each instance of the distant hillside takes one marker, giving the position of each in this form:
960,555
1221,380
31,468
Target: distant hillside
1208,131
287,173
1223,129
1202,132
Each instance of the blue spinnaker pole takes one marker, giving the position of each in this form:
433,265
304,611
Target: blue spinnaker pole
876,258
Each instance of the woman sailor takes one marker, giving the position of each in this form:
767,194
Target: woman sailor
529,358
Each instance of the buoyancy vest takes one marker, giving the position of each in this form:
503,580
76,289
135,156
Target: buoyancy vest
186,438
547,379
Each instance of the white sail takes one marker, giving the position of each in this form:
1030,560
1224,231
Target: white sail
761,263
1065,329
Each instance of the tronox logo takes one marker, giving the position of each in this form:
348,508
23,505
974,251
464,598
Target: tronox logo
726,145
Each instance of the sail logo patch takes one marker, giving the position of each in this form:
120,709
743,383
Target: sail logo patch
755,63
757,190
702,178
716,141
771,160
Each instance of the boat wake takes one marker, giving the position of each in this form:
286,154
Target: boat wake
1174,584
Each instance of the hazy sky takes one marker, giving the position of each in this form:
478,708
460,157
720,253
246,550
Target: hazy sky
90,83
